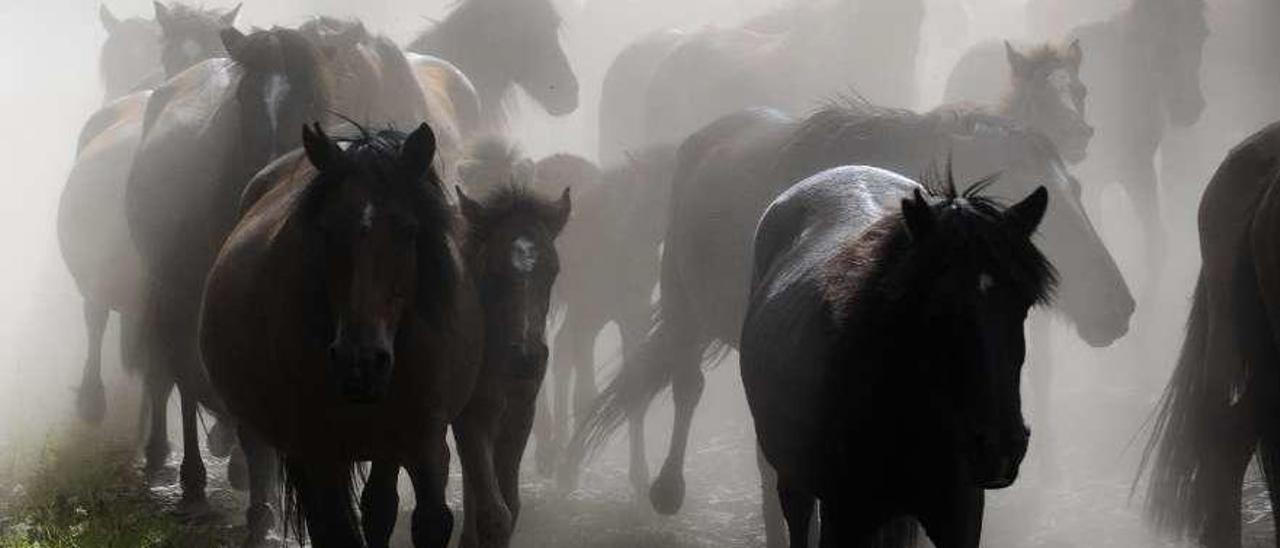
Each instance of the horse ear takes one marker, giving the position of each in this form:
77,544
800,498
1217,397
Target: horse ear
417,152
351,36
1026,215
471,210
323,153
564,207
228,19
1075,54
109,20
918,216
162,14
1018,63
231,39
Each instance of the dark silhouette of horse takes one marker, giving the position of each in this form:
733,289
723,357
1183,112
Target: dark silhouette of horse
670,83
511,254
339,325
92,233
205,133
1045,93
706,250
501,44
883,347
373,83
130,56
1221,403
610,252
1143,75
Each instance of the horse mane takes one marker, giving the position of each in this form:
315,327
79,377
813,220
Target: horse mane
873,272
821,140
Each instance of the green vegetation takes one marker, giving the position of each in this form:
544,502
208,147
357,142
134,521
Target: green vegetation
87,492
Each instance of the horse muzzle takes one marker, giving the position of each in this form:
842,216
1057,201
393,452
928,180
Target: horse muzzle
996,465
362,372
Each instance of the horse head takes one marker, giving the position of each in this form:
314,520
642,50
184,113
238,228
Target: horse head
131,53
189,35
968,272
1047,94
511,253
378,228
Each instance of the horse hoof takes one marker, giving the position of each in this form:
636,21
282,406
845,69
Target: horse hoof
91,402
221,439
259,521
667,494
238,472
192,506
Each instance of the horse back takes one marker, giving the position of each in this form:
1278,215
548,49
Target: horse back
128,109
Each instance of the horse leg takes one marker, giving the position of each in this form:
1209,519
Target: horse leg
547,440
159,386
324,497
771,506
91,401
262,462
379,503
1040,371
684,358
954,520
432,523
1144,193
513,435
475,432
193,475
222,438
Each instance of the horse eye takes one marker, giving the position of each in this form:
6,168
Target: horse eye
985,282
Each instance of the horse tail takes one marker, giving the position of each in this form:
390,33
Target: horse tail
642,377
1175,501
294,504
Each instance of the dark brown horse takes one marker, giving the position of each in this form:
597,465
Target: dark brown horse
339,326
130,56
206,132
759,154
882,351
671,83
501,44
1222,403
92,232
511,255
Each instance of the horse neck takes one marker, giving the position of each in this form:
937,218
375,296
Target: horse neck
451,40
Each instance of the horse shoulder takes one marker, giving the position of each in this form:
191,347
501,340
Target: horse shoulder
287,165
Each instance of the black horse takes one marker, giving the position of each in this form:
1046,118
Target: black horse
1222,403
727,173
882,351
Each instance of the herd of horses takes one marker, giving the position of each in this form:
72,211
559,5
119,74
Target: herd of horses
325,241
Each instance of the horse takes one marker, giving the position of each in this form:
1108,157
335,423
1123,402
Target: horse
852,268
501,44
1143,76
92,233
1045,93
764,151
451,98
339,325
511,254
130,56
1219,407
670,83
609,251
205,133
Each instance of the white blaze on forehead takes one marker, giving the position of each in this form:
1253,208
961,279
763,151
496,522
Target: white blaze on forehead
523,255
985,282
1060,81
273,92
366,215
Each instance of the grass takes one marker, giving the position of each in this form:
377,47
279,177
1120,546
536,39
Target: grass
86,491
